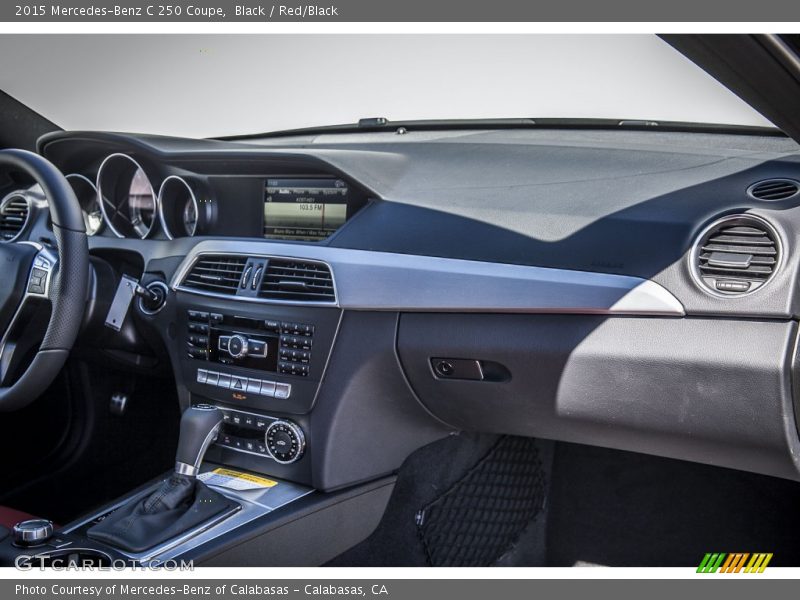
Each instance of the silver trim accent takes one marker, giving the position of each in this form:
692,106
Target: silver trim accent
694,254
103,206
298,432
181,468
245,346
6,200
167,232
96,199
140,300
33,531
365,280
776,180
212,435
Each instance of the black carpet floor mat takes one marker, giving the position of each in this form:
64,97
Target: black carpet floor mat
618,508
481,517
428,475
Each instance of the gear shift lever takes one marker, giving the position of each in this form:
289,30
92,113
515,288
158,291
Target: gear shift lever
199,427
179,503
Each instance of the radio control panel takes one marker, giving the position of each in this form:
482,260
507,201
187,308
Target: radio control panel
253,356
264,344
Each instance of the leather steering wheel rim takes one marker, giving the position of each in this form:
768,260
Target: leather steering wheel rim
68,279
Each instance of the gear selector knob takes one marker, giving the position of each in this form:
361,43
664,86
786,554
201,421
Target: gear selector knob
199,427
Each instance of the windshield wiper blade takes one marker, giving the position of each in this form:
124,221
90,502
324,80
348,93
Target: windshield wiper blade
382,124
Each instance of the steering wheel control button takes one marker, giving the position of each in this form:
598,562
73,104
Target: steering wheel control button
32,532
285,441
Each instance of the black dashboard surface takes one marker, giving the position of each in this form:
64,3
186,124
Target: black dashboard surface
517,248
618,202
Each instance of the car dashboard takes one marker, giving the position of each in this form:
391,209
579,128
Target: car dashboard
349,298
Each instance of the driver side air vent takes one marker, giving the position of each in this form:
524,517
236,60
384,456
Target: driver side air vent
13,217
297,281
774,189
736,255
219,274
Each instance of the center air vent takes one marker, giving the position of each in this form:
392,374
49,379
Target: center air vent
219,274
774,189
297,281
736,255
14,212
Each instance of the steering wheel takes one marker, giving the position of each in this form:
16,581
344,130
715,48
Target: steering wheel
31,273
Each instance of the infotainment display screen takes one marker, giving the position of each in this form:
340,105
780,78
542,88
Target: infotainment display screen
304,209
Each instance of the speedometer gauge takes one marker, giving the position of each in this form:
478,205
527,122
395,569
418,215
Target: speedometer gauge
141,203
127,199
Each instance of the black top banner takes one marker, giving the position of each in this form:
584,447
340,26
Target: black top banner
711,11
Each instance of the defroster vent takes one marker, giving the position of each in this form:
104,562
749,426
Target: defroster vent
220,274
297,281
737,255
774,189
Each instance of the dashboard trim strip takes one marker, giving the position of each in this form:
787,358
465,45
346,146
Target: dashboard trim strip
382,281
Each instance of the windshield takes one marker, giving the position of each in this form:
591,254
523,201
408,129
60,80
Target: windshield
215,85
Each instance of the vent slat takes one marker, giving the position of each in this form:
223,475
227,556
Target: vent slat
218,274
757,249
751,270
743,240
774,189
299,281
13,218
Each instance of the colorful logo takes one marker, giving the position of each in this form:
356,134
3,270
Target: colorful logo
714,562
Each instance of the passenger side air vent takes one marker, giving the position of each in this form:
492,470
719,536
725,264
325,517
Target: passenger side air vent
14,213
220,274
736,255
297,281
774,189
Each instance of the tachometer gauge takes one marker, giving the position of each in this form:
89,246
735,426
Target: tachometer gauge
127,199
86,193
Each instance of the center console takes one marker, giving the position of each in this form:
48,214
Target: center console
262,365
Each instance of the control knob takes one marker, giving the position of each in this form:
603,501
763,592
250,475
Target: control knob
32,532
285,441
237,346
